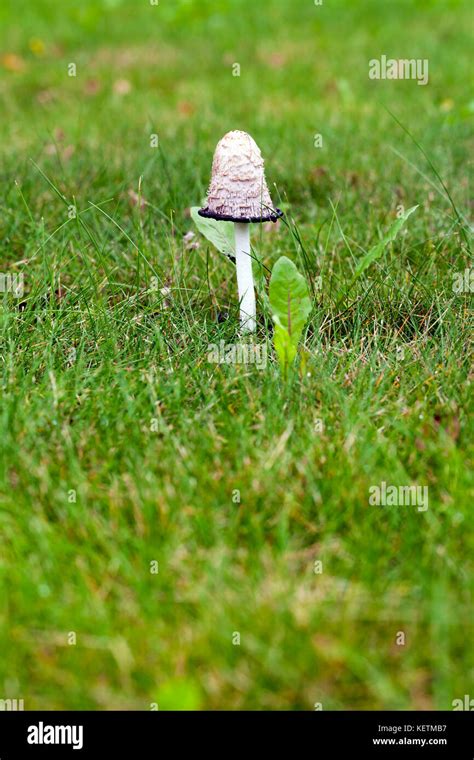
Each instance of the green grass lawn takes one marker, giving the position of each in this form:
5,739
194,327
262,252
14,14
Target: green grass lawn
157,508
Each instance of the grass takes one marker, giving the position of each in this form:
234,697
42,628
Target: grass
122,446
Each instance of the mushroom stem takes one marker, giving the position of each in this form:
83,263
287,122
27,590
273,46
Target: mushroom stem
243,261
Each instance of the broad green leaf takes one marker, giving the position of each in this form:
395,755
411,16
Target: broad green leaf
376,252
290,304
179,694
285,349
220,234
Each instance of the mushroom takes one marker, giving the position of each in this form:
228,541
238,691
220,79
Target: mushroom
238,193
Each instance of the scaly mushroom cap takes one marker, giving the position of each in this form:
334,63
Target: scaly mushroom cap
238,191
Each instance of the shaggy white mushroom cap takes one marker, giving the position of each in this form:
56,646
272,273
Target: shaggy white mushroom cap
238,190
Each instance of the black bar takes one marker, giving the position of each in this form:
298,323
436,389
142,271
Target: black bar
154,734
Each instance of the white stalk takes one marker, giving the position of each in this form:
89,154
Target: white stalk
243,262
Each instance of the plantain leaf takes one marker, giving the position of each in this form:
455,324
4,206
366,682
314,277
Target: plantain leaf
179,694
220,234
291,305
